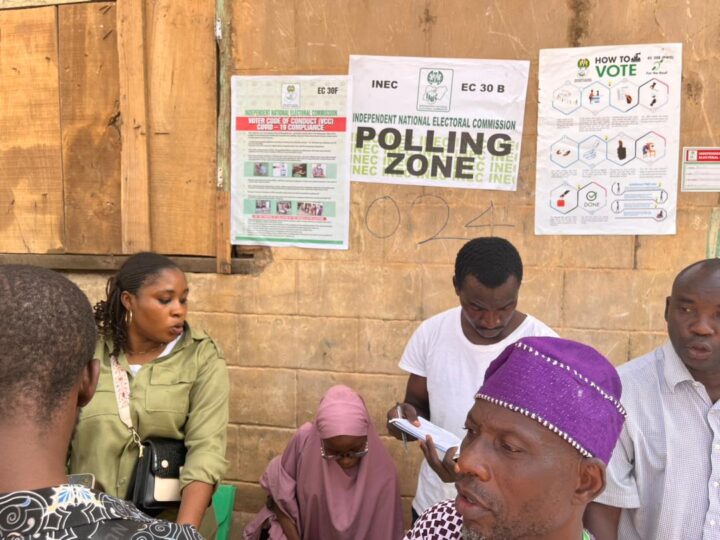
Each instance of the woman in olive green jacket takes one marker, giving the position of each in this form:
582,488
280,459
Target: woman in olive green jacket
178,387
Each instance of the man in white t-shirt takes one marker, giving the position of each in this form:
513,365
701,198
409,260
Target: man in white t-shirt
448,354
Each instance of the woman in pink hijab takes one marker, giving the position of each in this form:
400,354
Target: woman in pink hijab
334,481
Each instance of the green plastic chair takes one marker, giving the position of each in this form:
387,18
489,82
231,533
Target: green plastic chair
224,502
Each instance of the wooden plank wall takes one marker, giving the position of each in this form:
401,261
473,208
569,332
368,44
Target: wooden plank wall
31,193
182,93
60,122
89,117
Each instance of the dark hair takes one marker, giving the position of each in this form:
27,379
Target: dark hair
135,272
47,337
490,260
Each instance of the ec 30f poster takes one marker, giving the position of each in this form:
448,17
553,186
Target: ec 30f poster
608,140
437,122
289,160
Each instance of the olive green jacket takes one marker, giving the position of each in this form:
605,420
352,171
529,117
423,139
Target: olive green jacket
183,395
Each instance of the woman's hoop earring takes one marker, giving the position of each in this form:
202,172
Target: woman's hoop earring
128,318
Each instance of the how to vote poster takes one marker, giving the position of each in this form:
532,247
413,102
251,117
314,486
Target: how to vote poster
437,121
289,161
608,140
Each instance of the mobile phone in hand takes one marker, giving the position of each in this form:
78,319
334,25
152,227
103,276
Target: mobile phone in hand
83,479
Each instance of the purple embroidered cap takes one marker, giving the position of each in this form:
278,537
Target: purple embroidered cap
566,386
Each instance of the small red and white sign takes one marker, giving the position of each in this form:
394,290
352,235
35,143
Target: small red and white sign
701,169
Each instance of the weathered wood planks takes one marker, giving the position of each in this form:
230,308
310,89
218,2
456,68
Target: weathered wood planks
90,120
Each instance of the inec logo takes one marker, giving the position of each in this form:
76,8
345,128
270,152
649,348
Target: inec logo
434,89
583,64
435,77
290,95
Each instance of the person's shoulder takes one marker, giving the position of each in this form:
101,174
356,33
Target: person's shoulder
133,529
103,346
639,367
154,529
440,519
449,316
442,509
207,347
126,521
305,430
304,434
441,317
436,329
199,334
83,513
532,326
640,379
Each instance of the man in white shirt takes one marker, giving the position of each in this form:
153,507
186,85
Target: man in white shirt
663,481
448,354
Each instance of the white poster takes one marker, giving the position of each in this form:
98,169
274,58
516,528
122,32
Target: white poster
437,121
289,159
608,140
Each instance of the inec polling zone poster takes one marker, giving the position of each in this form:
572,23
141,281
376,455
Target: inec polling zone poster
437,121
608,140
289,161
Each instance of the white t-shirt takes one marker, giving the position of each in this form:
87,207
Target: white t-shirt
454,368
135,368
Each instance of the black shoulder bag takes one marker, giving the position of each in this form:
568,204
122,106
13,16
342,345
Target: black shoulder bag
156,483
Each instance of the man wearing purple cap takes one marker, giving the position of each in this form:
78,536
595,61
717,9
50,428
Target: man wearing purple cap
539,436
664,475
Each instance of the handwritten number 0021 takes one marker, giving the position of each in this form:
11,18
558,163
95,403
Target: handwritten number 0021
436,236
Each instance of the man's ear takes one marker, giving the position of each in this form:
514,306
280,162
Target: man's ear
667,307
88,382
591,480
455,286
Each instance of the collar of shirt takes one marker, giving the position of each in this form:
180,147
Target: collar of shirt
183,341
674,370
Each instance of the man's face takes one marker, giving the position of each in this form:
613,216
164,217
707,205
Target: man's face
693,319
487,312
517,479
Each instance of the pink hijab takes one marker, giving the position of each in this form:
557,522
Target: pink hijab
325,501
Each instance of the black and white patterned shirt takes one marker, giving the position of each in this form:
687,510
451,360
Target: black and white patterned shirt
439,522
443,522
74,512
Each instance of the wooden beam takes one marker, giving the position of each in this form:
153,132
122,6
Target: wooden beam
713,234
110,263
223,35
222,230
89,109
31,174
18,4
134,171
181,59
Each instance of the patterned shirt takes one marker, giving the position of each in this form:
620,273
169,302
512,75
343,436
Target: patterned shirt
443,522
439,522
75,512
665,470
